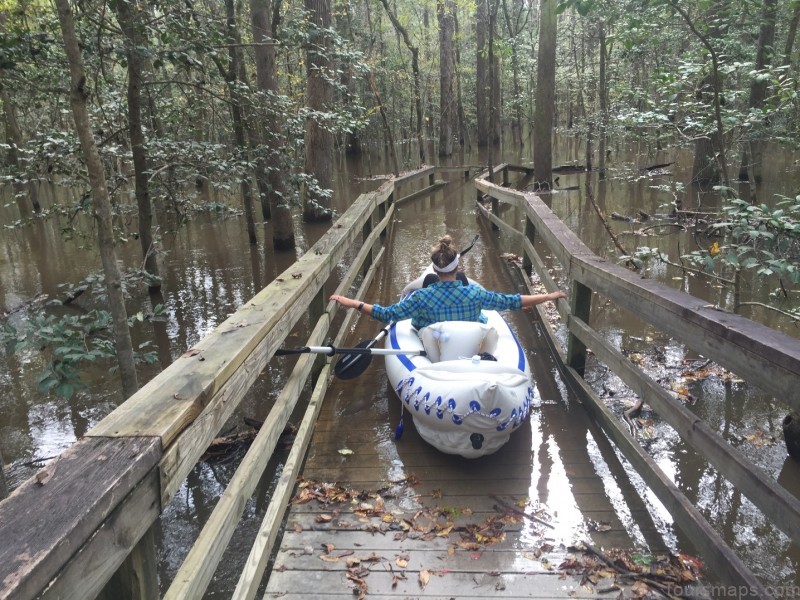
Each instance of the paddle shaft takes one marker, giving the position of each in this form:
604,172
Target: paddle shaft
331,350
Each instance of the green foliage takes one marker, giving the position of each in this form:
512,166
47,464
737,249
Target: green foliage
70,343
758,238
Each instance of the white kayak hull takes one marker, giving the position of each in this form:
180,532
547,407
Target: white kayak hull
460,405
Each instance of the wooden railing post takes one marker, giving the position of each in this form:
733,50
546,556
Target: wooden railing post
530,235
365,231
505,176
137,577
581,304
3,485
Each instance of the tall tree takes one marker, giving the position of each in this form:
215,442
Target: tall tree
545,95
135,49
234,81
319,97
516,18
447,100
265,16
403,32
482,89
758,91
710,155
15,139
101,203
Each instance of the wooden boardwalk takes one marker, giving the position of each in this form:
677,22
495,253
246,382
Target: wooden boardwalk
422,524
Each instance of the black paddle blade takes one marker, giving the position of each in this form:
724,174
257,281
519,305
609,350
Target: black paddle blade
350,366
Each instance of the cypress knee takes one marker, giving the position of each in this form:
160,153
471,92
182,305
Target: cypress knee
791,434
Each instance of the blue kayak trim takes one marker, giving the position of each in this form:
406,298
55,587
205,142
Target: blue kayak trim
404,360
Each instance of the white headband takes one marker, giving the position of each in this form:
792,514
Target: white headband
447,269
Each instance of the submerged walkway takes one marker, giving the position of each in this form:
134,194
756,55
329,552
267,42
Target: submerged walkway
381,518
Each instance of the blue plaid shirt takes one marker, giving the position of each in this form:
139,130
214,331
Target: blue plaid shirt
446,301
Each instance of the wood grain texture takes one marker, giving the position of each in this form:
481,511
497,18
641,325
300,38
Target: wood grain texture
49,518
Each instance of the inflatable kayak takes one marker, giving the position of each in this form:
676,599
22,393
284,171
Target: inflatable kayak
473,387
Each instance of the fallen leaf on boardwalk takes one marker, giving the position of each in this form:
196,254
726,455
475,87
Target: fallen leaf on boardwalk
298,528
329,558
297,275
424,578
476,556
328,548
372,558
640,589
346,451
396,578
190,352
436,494
759,438
401,562
360,585
323,518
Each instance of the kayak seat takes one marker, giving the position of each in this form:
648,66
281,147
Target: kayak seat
453,340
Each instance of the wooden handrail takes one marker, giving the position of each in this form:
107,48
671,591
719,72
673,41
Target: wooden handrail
767,358
66,531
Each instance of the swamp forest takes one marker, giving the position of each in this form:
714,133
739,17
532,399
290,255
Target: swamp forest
162,161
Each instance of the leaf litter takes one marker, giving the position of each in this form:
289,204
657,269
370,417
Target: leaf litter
600,571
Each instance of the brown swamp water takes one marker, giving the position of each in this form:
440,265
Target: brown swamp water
209,271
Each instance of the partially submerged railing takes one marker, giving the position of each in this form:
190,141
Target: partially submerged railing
82,526
766,358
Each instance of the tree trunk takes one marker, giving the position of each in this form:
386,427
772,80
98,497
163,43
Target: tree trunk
403,32
710,157
135,43
482,90
463,130
758,89
387,130
791,34
603,97
232,79
445,10
545,96
496,98
515,26
319,94
264,18
100,201
15,140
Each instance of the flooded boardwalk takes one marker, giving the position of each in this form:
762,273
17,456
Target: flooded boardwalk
378,518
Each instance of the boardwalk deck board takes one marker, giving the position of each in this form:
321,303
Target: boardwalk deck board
552,472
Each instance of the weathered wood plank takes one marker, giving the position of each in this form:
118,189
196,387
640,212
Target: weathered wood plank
175,397
764,356
715,552
86,574
776,502
442,584
199,565
453,559
256,563
49,517
437,185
